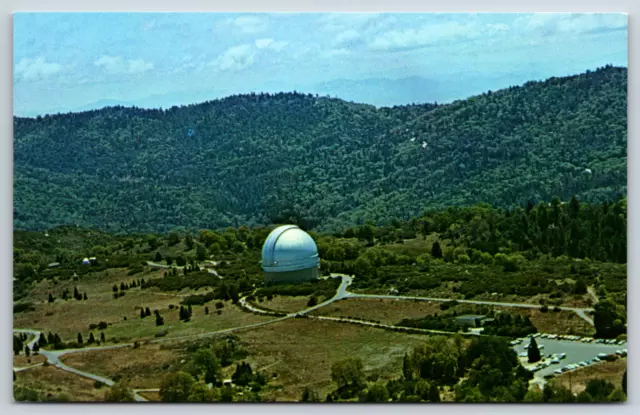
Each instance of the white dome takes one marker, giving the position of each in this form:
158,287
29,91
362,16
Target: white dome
289,248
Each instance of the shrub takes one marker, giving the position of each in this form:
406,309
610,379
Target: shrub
544,309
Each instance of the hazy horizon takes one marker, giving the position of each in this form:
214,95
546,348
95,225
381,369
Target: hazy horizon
78,61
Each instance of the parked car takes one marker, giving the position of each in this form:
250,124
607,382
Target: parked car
555,361
562,355
596,359
558,372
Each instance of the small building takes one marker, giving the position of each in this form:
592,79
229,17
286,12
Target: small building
227,382
86,261
93,260
54,265
471,320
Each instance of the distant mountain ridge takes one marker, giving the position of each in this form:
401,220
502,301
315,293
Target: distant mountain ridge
322,162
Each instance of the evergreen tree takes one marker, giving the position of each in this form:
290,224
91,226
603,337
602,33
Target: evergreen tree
122,286
42,341
159,320
115,288
76,294
147,312
51,338
206,310
79,338
85,296
36,348
436,251
92,339
51,298
624,382
158,257
102,339
142,315
533,352
27,350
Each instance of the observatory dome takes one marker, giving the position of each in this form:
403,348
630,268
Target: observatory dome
290,254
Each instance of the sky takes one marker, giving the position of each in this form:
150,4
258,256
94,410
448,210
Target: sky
73,61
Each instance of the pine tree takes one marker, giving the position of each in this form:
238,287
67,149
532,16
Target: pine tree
91,339
190,311
436,251
115,288
147,312
159,320
79,338
57,339
36,348
76,294
51,300
142,312
27,351
85,296
624,382
102,340
51,338
42,341
206,310
122,287
158,257
533,352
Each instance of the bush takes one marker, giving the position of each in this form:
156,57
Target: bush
544,309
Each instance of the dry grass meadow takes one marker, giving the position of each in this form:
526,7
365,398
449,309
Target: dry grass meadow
50,382
300,353
578,379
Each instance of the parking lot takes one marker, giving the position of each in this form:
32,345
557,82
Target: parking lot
576,351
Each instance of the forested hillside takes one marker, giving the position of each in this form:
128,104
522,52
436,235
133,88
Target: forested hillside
321,162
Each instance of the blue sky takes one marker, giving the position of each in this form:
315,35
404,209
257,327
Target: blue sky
65,61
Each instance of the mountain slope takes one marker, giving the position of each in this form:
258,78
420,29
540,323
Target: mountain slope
326,163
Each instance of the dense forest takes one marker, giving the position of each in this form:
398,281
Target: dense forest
325,163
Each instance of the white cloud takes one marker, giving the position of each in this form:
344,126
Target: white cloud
339,22
116,65
271,44
249,24
36,69
236,58
426,36
570,23
138,66
347,37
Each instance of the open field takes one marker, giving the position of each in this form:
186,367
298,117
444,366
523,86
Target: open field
285,303
382,310
578,379
68,318
561,322
143,367
301,351
50,382
22,360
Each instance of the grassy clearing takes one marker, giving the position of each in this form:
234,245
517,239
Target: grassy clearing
300,353
562,322
68,318
151,396
578,379
286,303
393,311
50,382
22,360
382,310
143,367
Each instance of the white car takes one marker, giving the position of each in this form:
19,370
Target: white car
562,355
523,354
555,361
558,372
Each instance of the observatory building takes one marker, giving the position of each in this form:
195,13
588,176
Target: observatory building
289,255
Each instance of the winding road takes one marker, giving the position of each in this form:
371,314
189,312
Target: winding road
53,356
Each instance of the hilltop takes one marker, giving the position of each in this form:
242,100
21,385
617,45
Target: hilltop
321,162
